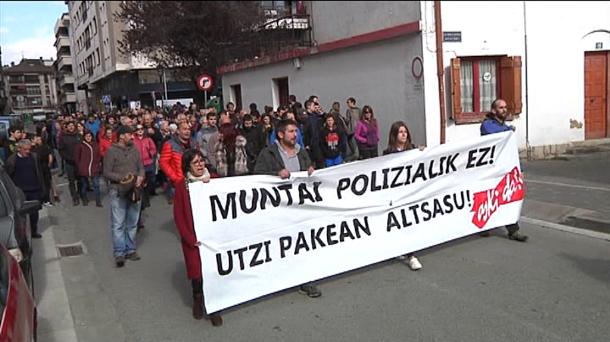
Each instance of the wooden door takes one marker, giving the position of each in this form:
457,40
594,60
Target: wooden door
596,95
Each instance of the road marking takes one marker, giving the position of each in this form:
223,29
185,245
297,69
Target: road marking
599,188
569,229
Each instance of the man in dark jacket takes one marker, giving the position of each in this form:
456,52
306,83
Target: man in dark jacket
254,140
495,123
282,158
23,168
311,132
67,148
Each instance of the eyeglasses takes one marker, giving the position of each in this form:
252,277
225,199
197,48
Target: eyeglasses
197,161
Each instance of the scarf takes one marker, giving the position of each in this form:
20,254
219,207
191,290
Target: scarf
204,178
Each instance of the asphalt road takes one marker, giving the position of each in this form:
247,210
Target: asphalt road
556,287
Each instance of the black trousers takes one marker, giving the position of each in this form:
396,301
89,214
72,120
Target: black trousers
34,195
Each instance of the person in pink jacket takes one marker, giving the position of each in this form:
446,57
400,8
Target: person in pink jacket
367,134
148,152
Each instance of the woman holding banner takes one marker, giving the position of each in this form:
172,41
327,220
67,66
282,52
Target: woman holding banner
194,170
400,140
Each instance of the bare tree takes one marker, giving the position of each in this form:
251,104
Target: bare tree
193,35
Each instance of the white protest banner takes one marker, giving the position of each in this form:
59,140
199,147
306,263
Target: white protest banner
262,234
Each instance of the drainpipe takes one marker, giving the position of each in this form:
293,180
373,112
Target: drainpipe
440,70
527,107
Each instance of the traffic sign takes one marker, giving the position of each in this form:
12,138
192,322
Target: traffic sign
205,82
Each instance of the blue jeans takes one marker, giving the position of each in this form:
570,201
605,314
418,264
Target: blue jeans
333,161
123,221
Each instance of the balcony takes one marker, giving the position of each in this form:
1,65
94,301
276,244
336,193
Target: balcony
64,61
292,22
65,79
62,41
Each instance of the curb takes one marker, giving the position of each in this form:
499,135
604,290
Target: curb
569,229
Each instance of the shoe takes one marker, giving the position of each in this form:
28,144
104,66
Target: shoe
484,234
48,204
57,199
310,290
170,201
36,236
133,256
216,319
76,202
98,204
517,237
120,261
198,306
85,202
414,264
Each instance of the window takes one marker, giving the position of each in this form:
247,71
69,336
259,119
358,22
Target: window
477,81
32,79
97,56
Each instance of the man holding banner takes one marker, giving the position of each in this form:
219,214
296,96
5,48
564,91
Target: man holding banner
282,158
495,123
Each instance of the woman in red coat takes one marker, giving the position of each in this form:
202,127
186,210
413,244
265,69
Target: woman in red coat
193,167
88,161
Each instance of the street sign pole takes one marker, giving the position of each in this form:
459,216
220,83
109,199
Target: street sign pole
205,83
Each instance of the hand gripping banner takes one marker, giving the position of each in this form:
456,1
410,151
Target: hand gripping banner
262,234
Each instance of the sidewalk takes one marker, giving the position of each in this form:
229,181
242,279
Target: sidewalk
55,321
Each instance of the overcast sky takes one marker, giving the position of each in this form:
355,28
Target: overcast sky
26,29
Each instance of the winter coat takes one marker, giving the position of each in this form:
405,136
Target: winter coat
254,144
87,159
105,144
183,217
170,160
67,146
492,125
367,134
147,149
270,162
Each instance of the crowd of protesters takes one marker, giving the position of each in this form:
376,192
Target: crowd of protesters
139,151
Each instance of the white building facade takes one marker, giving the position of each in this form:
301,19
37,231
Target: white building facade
384,54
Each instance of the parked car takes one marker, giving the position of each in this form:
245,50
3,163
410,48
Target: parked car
16,302
16,275
15,233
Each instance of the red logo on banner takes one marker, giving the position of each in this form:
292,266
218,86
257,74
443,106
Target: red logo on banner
510,189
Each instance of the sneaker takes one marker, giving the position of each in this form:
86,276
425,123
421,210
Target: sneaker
48,204
517,237
414,263
75,202
119,260
310,290
133,256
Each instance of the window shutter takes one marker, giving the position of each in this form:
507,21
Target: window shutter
456,94
510,83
